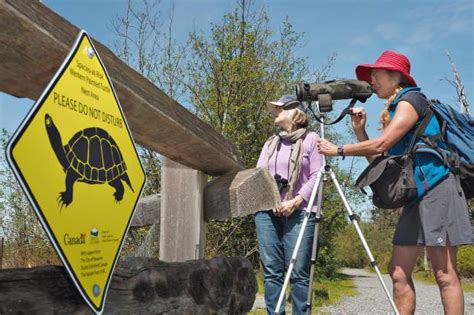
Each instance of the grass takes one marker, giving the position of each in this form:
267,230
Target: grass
428,278
467,285
330,291
325,291
260,282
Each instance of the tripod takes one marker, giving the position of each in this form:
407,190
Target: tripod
326,172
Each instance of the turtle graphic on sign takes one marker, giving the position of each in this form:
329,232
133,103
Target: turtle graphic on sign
91,156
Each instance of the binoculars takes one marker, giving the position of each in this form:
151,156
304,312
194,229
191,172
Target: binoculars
282,183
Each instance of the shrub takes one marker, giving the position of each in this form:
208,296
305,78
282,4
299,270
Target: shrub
465,262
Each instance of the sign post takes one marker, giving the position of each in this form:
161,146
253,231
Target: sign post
76,160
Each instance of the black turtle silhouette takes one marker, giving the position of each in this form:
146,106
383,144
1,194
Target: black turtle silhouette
92,157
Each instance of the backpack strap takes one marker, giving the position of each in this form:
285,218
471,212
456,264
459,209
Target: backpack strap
419,131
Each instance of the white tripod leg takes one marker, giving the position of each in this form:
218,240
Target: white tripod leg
298,241
353,219
314,251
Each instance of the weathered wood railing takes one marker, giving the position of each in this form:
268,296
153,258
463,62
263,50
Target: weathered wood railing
139,286
33,43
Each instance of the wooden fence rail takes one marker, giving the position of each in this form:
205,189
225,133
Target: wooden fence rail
139,286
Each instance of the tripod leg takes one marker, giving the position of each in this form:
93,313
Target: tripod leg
298,241
353,219
314,252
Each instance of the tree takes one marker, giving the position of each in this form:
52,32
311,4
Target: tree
230,76
148,47
457,83
464,107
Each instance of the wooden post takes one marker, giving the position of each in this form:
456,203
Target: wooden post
182,227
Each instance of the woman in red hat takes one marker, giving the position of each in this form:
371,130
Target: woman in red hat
438,219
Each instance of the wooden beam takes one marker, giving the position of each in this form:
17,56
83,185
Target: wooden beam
239,194
182,227
34,42
139,286
232,195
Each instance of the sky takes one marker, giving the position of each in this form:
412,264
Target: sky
358,31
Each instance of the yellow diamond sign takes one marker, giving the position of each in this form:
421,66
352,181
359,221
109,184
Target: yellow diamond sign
76,160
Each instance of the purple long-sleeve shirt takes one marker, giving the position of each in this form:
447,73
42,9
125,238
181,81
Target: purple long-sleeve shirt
279,164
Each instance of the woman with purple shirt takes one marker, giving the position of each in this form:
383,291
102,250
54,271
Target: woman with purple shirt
293,159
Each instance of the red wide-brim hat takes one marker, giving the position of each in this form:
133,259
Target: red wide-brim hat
388,60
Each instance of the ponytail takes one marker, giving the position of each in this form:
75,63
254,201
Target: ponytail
385,115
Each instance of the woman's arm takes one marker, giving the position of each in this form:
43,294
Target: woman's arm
361,137
359,119
263,158
405,118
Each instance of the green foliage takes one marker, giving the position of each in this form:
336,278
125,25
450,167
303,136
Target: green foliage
234,237
329,291
135,238
236,69
260,283
465,262
26,243
334,223
152,164
326,291
350,252
378,233
230,75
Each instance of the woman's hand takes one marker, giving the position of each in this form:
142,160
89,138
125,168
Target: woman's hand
288,207
327,148
359,118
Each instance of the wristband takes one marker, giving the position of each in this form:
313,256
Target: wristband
340,151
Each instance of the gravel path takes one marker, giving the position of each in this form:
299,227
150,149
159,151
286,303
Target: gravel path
371,298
